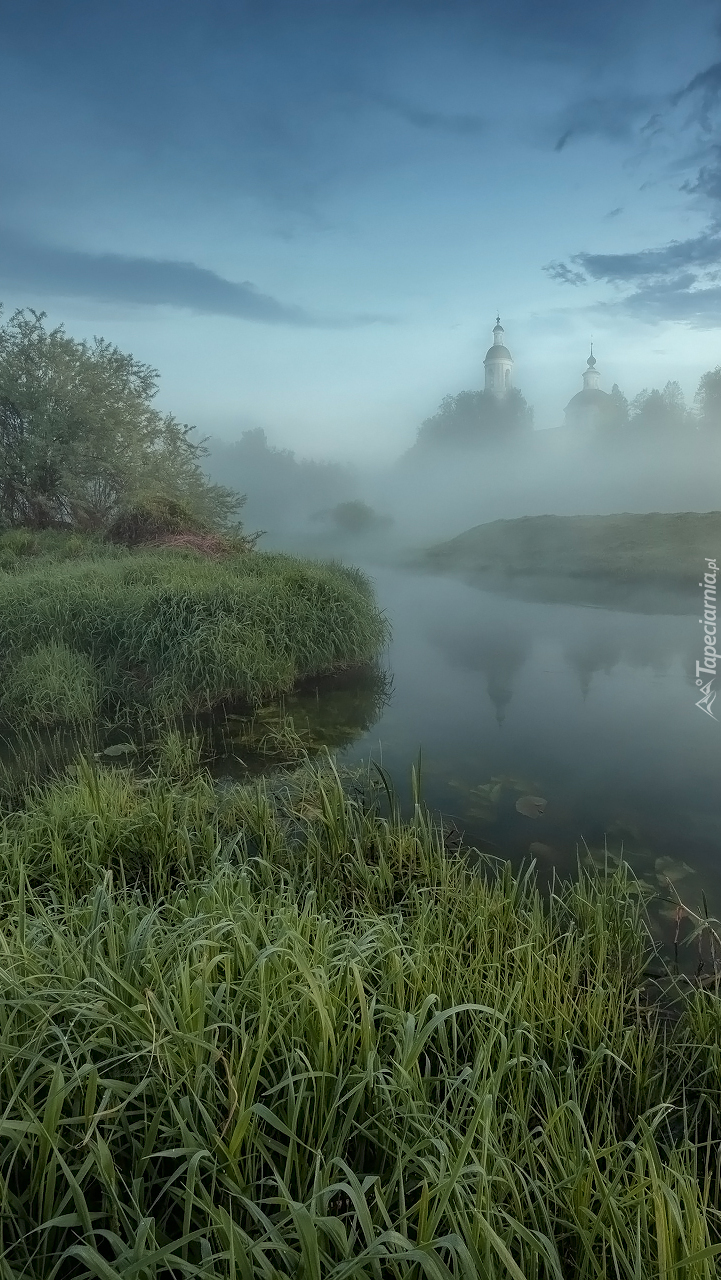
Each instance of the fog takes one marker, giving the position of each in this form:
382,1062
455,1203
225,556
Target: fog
436,492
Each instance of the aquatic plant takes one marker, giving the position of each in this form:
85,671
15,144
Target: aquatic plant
283,1032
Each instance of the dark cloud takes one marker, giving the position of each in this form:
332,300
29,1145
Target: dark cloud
678,281
611,117
708,178
562,272
680,299
699,252
704,91
113,277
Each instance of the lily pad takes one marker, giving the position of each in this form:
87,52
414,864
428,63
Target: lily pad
518,784
490,791
531,806
604,859
540,850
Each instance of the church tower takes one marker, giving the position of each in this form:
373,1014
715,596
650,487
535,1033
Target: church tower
498,364
591,376
591,407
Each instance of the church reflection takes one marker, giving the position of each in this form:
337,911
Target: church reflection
590,654
497,652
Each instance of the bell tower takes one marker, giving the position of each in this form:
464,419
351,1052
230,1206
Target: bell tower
591,376
498,364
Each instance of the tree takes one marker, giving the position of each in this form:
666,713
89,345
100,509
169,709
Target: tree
284,490
80,437
474,417
357,517
619,408
708,399
659,409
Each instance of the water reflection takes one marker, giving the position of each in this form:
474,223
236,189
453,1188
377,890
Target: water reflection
588,655
325,712
496,651
593,708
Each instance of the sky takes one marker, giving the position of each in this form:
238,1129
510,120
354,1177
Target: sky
306,215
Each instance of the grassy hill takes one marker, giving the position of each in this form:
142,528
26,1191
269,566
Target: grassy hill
655,548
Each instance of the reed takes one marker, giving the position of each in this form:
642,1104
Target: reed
280,1031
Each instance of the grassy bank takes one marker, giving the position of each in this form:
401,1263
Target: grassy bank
86,629
654,549
283,1033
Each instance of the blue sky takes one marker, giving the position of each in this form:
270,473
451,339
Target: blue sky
305,214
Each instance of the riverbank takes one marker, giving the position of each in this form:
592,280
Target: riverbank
279,1030
657,550
87,629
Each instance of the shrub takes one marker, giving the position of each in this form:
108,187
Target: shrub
357,518
153,518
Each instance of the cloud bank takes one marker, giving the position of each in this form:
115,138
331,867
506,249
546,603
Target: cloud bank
676,281
114,277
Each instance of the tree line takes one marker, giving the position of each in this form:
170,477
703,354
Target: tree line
477,417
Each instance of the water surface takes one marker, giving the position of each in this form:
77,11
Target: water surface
590,708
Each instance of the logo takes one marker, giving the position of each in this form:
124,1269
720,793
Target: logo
707,667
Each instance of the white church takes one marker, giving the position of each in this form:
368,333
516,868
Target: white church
588,409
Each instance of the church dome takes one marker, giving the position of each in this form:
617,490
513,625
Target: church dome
589,409
589,396
497,352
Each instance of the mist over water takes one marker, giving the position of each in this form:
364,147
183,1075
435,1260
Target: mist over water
575,690
439,493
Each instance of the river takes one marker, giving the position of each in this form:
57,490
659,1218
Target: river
592,709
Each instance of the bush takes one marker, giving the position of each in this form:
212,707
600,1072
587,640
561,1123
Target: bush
153,518
79,434
357,518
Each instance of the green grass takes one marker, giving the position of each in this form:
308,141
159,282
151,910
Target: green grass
21,548
653,548
173,632
281,1032
51,685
